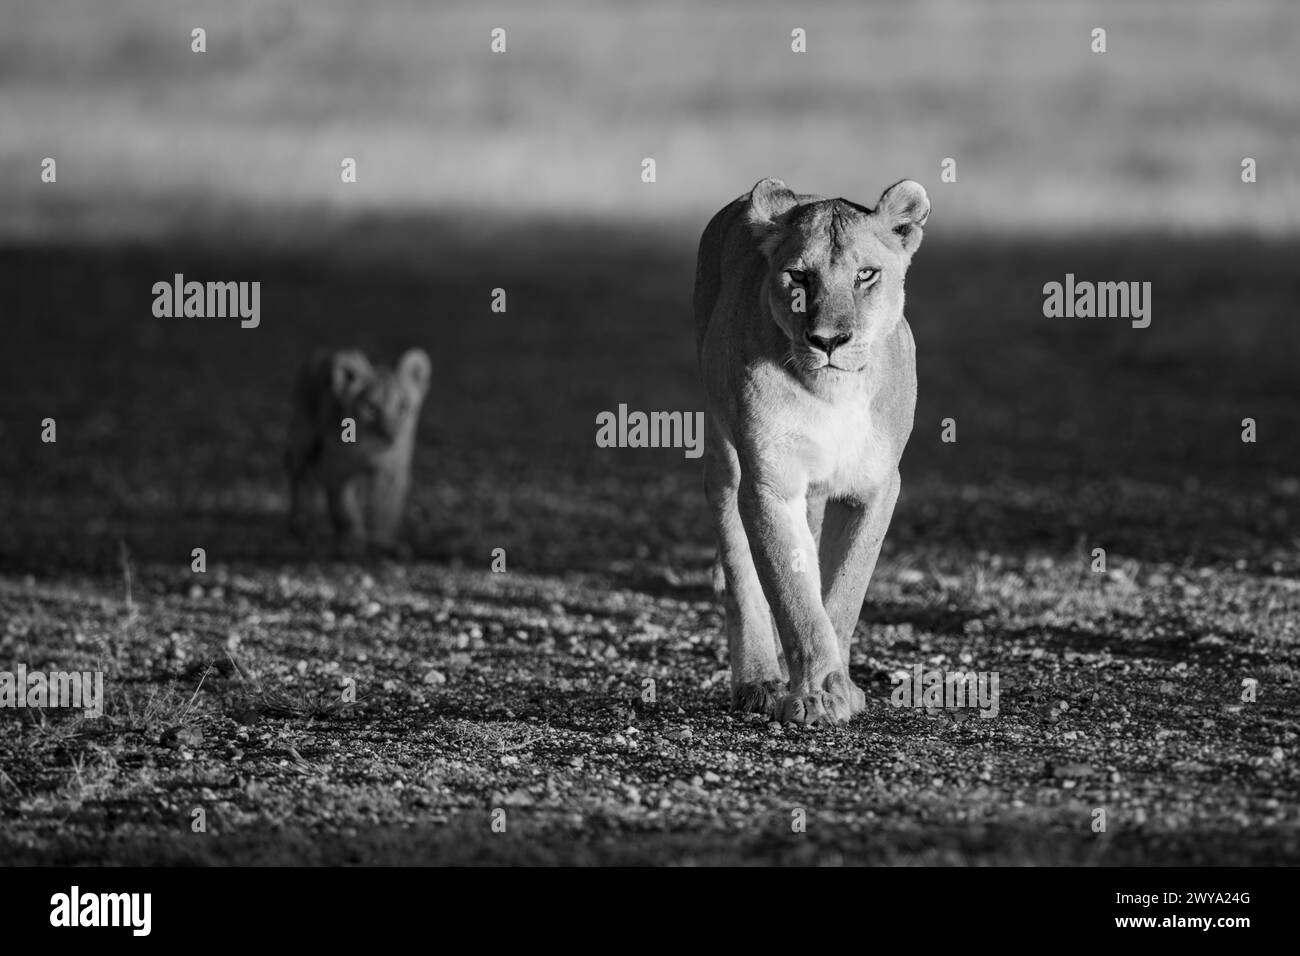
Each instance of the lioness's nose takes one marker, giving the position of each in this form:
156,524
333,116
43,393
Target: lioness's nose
827,344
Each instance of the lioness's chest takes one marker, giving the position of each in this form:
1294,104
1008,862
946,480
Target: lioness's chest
835,448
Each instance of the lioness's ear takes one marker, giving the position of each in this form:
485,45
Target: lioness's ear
768,199
904,207
414,367
349,371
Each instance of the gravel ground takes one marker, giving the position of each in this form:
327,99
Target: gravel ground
478,692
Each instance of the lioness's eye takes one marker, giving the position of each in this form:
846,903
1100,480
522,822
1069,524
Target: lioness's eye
868,275
797,276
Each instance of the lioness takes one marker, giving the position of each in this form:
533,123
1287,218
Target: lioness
353,433
810,373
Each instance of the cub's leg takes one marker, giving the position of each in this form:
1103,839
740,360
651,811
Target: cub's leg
388,490
344,499
757,677
785,555
852,535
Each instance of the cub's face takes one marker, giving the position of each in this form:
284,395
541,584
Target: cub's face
385,403
836,270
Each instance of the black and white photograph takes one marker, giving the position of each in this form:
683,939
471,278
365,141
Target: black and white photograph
595,434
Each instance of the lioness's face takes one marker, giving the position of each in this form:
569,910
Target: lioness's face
836,271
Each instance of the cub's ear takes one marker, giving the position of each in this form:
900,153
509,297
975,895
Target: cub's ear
415,368
349,370
904,207
768,200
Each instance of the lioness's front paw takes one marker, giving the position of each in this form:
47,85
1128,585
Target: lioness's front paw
832,703
758,697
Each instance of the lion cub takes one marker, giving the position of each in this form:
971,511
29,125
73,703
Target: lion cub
352,433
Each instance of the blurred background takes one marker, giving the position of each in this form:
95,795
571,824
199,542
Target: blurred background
522,171
1048,135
